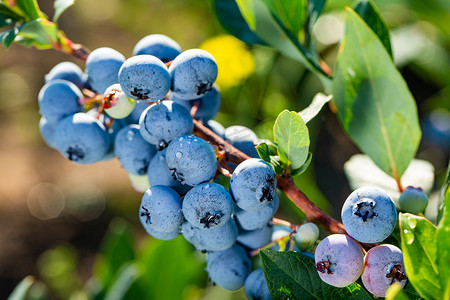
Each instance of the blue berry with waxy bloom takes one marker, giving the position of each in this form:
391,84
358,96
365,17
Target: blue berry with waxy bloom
216,127
193,74
211,239
306,236
253,184
339,260
413,200
67,71
135,115
47,132
229,268
164,236
208,105
383,266
369,215
256,287
254,239
251,220
58,99
208,205
102,66
133,151
144,77
82,138
191,160
163,121
161,209
242,138
159,45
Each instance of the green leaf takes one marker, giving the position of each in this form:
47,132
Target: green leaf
60,6
292,137
8,17
277,164
21,290
30,8
263,151
367,10
7,37
420,255
314,108
315,8
445,190
126,277
40,33
375,107
443,244
292,275
303,168
291,13
395,292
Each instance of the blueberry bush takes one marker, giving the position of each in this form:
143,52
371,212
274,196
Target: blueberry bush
246,198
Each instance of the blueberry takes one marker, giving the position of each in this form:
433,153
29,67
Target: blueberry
253,184
193,73
211,239
251,220
279,231
254,239
191,160
383,266
82,138
116,103
339,260
144,77
158,45
59,99
208,205
102,66
66,71
216,127
369,215
243,139
163,121
47,132
159,174
228,268
256,287
136,113
413,200
306,236
161,209
133,151
164,236
208,105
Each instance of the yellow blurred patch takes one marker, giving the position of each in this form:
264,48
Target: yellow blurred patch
234,60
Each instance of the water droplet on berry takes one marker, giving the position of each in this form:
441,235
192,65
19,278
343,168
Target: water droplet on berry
179,155
180,139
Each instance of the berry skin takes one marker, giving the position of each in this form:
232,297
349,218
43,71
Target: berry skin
369,215
158,45
253,184
383,265
135,115
339,260
209,105
67,71
102,66
144,77
413,200
161,209
193,73
228,268
191,160
133,151
242,138
116,103
211,239
58,99
306,236
82,138
251,220
256,287
163,121
164,236
216,127
47,132
255,239
208,205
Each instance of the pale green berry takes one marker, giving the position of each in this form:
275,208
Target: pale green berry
413,200
116,103
306,236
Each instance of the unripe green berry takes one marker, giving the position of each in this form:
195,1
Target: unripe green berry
306,236
413,200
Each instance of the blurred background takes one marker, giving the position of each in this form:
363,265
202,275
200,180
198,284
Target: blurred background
70,225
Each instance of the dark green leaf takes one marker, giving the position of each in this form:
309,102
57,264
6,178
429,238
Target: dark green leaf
314,108
292,137
443,244
21,290
315,8
7,37
231,19
444,191
291,13
30,8
303,167
292,275
420,255
367,10
126,277
60,6
8,17
263,151
39,33
375,107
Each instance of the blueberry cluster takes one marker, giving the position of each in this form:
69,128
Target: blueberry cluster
369,215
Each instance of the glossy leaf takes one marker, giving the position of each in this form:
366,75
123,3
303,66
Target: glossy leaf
8,17
303,168
21,290
39,33
367,10
292,275
292,137
30,8
7,37
124,283
314,108
291,13
263,151
315,8
443,243
61,6
375,107
420,255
